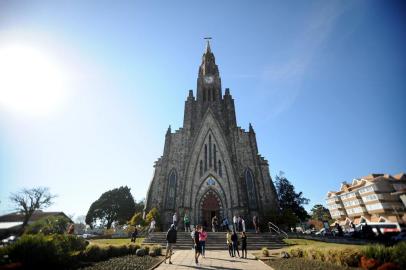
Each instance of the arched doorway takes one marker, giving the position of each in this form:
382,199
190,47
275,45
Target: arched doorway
210,206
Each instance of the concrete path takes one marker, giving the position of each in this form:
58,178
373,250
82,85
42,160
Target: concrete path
215,259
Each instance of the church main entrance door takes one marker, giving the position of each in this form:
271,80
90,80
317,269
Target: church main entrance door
210,207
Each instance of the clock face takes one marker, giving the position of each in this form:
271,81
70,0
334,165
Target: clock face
208,79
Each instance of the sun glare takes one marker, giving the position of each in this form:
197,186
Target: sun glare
30,82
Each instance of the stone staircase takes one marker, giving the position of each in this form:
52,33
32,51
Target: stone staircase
217,240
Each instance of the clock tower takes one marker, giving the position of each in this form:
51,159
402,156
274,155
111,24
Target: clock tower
208,81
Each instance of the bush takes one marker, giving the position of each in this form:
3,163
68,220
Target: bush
39,251
265,252
389,266
147,248
94,253
342,257
157,250
140,252
399,254
49,225
367,263
395,254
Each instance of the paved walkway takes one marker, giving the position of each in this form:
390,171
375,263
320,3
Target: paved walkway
215,259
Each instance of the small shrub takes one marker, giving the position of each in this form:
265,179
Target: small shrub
399,254
347,257
378,252
140,252
296,252
94,253
389,266
147,248
367,263
132,249
152,253
265,252
157,249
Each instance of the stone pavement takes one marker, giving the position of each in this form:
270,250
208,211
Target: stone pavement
215,259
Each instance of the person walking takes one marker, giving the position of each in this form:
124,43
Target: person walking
175,219
152,226
202,241
226,224
186,222
229,243
239,224
214,222
134,235
234,240
198,249
243,224
171,237
235,222
255,222
243,244
192,234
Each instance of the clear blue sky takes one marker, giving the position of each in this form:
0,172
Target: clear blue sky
322,82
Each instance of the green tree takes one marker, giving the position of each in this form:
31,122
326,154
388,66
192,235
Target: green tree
115,205
321,213
153,214
49,225
27,201
139,206
290,202
136,219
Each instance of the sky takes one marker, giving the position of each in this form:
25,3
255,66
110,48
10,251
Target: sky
322,82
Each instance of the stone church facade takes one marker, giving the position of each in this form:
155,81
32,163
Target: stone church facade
210,166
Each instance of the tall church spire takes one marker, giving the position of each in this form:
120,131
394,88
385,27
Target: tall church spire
208,50
208,81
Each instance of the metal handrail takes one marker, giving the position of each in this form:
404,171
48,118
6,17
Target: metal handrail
273,227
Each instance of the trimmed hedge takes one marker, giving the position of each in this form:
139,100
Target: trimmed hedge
65,251
38,251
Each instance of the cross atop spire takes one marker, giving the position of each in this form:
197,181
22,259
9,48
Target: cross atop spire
208,50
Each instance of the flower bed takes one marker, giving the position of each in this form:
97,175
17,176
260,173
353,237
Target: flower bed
127,262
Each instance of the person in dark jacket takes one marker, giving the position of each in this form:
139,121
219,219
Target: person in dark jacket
134,235
234,240
244,244
171,236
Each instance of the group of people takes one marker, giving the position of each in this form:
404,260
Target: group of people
233,243
238,223
199,238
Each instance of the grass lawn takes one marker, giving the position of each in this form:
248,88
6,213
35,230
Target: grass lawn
118,242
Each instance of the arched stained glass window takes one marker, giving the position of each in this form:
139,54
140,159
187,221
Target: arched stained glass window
252,197
214,157
201,167
205,157
220,169
210,151
171,190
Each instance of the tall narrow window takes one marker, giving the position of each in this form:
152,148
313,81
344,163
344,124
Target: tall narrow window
204,95
252,197
205,157
201,168
212,95
214,157
210,151
171,190
220,169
